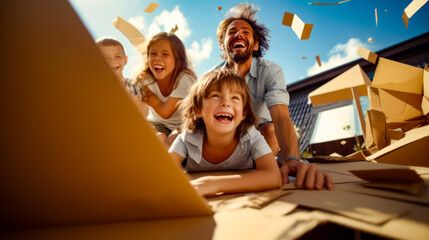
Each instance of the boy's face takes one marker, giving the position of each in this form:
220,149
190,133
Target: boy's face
115,58
222,110
239,42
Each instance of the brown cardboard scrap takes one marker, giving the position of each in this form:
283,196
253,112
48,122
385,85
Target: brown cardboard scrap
318,61
130,32
370,40
396,76
358,206
336,3
359,188
345,167
367,54
338,88
250,200
412,149
173,30
400,106
319,158
404,180
301,29
426,82
411,9
219,8
425,107
151,7
414,225
375,129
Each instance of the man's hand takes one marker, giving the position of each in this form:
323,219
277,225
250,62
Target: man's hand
307,175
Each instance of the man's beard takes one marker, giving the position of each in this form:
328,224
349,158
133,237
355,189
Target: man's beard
242,56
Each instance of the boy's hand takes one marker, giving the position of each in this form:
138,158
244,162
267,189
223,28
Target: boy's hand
307,175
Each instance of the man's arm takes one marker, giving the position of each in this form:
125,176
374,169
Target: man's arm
307,175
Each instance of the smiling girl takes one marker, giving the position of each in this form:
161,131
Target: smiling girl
165,80
219,134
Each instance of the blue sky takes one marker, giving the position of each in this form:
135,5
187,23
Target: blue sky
337,32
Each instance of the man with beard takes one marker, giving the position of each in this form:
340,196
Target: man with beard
243,42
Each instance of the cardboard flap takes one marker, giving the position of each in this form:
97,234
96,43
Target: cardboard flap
339,88
405,180
396,76
75,148
375,129
400,106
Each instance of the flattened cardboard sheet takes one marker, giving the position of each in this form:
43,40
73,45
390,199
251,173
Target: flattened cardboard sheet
345,167
400,106
375,129
338,89
75,148
370,209
422,199
301,29
396,76
403,180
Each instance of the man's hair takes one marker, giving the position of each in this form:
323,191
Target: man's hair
182,62
216,80
109,41
245,12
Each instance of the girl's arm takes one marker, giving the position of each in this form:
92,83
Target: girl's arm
164,109
266,176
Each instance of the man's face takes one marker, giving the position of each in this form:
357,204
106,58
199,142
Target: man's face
115,58
239,42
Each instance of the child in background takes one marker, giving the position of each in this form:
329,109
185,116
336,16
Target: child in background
115,56
219,134
165,80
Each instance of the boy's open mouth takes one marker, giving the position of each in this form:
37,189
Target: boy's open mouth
223,117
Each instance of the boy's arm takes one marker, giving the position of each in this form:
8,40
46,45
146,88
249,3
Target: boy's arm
307,175
164,109
266,176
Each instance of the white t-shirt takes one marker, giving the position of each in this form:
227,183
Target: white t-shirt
181,91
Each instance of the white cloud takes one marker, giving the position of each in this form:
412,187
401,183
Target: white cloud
340,54
138,22
197,53
168,20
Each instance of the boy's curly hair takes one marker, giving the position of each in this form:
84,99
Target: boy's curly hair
247,13
216,80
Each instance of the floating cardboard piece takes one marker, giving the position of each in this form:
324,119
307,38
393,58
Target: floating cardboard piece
412,8
403,180
318,61
396,76
151,7
304,57
173,30
376,17
301,29
130,32
317,3
219,8
338,89
370,40
367,54
75,148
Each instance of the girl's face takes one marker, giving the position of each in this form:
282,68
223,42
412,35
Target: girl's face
222,110
161,60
